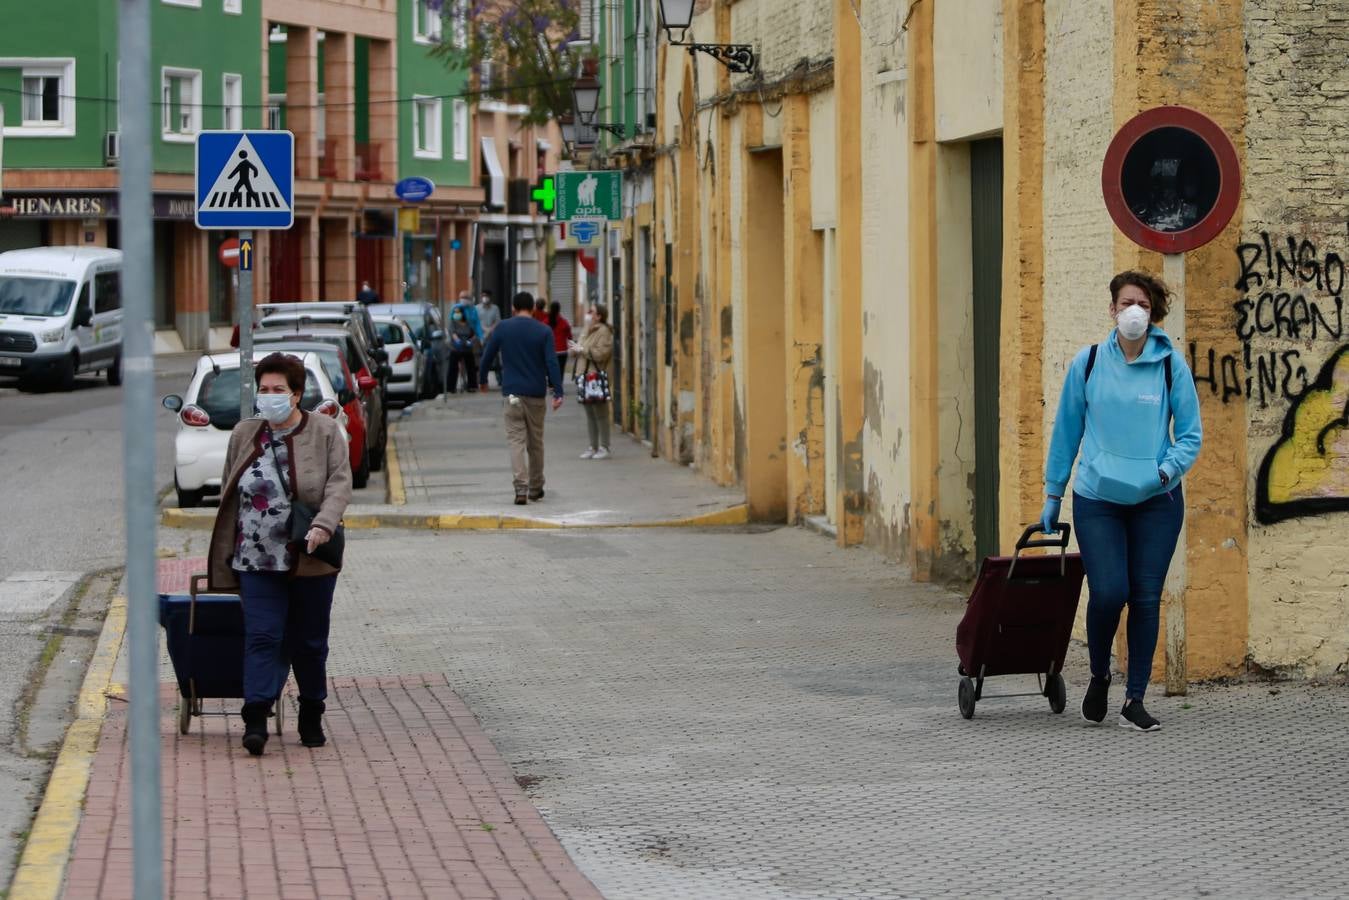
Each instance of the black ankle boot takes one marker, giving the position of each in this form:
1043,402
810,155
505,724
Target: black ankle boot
255,726
311,723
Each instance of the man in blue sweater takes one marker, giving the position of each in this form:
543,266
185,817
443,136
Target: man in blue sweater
528,367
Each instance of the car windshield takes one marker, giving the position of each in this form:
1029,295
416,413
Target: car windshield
35,296
389,332
219,396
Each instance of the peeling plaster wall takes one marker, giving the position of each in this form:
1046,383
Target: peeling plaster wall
1297,146
736,292
1078,233
885,280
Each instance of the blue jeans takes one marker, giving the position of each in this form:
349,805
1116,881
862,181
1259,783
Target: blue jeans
286,624
1126,551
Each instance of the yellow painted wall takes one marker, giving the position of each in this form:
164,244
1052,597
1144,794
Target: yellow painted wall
967,68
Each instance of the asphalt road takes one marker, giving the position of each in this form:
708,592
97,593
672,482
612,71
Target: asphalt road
61,471
60,518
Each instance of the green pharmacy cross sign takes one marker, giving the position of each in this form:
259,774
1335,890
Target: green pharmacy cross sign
545,194
587,195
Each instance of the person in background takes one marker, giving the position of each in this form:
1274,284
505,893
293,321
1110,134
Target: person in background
1120,401
595,350
561,333
465,305
529,366
283,455
541,310
367,294
488,317
464,346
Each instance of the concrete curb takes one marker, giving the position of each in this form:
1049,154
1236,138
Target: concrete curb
395,493
203,519
42,868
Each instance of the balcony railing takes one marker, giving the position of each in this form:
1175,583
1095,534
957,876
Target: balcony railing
368,161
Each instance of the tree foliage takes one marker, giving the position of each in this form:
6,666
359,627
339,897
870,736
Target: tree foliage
531,45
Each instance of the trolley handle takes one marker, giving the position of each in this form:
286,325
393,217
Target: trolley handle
1025,541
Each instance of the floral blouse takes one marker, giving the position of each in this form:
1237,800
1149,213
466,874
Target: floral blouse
262,541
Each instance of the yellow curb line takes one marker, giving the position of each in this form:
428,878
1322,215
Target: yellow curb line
203,519
397,495
42,870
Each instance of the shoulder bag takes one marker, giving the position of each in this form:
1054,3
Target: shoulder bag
302,519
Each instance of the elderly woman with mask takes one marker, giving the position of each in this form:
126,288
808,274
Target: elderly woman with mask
283,463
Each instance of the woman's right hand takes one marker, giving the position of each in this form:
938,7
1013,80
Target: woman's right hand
1049,516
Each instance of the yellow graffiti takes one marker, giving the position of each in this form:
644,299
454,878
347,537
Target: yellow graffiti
1311,463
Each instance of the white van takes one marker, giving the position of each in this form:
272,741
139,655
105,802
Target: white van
61,313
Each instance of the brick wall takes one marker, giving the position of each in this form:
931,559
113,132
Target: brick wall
1297,187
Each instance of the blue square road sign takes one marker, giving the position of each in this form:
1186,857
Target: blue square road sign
245,180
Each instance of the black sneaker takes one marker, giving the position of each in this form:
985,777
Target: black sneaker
1135,717
520,498
1094,703
536,495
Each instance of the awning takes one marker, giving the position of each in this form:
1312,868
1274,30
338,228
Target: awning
497,196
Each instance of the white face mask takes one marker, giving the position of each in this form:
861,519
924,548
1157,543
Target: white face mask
590,320
275,408
1132,322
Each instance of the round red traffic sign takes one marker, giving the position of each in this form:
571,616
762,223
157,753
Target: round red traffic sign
229,252
1171,179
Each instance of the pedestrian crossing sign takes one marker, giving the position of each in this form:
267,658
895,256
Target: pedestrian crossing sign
245,180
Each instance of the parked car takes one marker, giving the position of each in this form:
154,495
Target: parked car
327,311
429,330
209,409
406,358
359,364
348,394
61,314
297,323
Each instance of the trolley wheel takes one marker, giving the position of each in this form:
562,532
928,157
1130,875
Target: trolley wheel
280,708
966,697
184,715
1057,692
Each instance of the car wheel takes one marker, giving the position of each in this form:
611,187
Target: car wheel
187,499
115,371
377,455
361,476
65,378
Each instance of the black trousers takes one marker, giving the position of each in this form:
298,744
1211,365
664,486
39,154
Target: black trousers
468,359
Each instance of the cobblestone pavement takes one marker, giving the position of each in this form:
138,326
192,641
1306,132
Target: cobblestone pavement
758,714
408,799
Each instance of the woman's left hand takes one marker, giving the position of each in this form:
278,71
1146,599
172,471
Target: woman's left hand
316,538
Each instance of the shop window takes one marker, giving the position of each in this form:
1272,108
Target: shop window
180,104
426,23
46,104
426,127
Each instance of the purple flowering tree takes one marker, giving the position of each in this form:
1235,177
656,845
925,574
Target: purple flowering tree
531,47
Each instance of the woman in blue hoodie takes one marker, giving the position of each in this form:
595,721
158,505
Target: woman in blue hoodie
1120,401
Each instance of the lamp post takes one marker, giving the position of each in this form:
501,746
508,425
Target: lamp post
677,16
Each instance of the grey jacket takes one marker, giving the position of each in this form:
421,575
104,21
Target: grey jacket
319,475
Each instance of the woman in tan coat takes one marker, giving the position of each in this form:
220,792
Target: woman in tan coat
283,456
593,353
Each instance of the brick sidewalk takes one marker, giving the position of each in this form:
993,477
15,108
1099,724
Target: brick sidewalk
408,799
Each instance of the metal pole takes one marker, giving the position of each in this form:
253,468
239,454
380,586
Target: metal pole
245,312
138,449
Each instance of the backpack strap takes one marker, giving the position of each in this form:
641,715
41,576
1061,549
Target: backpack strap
1166,367
1091,364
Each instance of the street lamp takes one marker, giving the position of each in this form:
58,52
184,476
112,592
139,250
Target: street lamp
585,96
677,16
